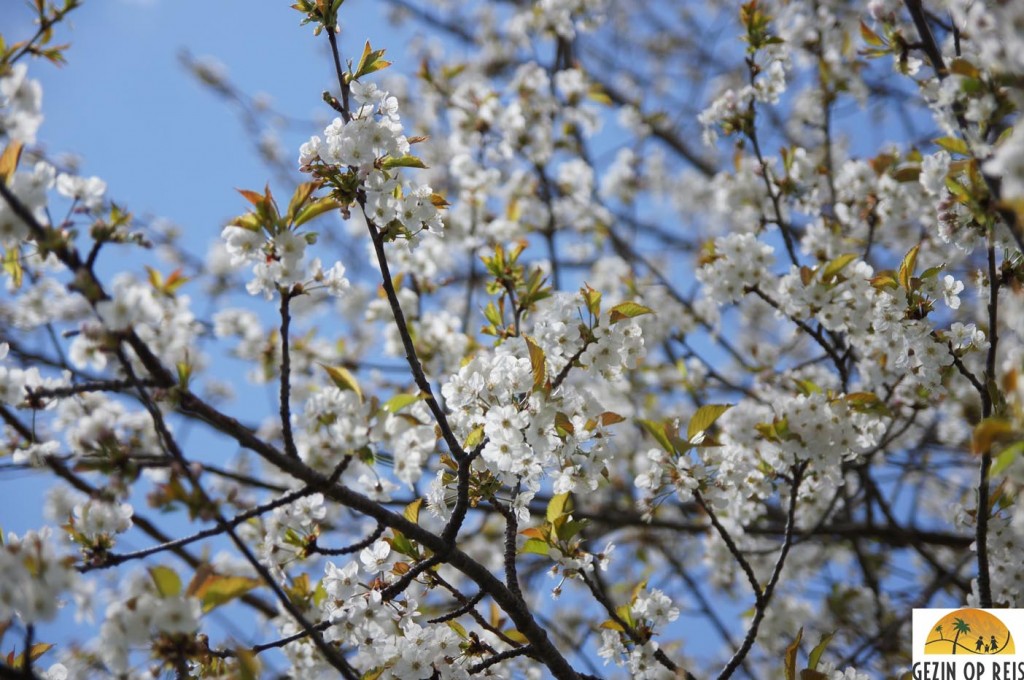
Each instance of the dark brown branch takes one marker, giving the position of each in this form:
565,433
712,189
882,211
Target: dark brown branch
761,608
285,389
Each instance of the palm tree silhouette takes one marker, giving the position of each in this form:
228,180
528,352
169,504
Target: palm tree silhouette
938,629
960,626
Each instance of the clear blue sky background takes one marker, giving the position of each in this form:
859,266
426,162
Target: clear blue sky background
166,145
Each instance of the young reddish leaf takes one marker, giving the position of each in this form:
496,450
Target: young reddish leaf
538,363
870,37
608,418
38,649
810,674
989,431
9,160
907,173
253,197
534,532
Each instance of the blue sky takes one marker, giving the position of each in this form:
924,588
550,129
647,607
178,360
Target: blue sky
165,145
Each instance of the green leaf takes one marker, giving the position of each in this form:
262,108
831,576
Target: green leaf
342,379
907,267
1006,457
38,649
492,314
557,506
954,145
474,438
965,68
400,401
563,425
166,580
568,531
315,209
832,269
249,666
459,629
535,546
907,173
593,299
515,636
807,387
885,279
249,221
12,267
625,612
657,430
401,544
704,418
791,652
406,161
412,511
628,310
217,590
819,649
299,198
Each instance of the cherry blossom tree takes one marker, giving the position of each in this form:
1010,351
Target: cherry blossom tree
602,340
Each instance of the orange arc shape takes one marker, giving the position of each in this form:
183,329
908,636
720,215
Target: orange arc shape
971,631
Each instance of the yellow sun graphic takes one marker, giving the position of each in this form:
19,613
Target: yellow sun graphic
969,631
